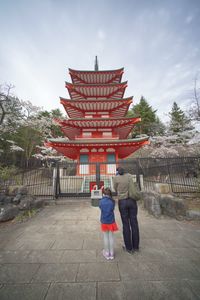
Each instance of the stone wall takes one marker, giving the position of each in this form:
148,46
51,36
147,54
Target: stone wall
15,200
161,202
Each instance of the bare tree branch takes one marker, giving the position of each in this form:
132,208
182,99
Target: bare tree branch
4,99
197,96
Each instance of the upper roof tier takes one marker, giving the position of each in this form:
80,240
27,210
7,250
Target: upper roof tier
95,91
117,108
120,127
92,77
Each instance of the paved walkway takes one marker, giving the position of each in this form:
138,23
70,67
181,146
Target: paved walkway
57,255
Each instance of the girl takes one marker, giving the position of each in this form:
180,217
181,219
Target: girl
108,225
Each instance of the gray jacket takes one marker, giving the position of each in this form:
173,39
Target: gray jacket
120,184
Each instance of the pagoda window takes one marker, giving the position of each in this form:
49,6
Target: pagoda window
87,134
84,167
111,167
111,158
107,133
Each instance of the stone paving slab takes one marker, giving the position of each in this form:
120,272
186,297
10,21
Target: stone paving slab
92,244
18,256
98,272
58,255
24,291
111,291
10,244
180,253
17,273
72,291
67,244
179,269
72,256
56,273
159,290
44,256
195,286
36,244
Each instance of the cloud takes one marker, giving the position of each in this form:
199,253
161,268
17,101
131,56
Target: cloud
153,42
101,34
189,19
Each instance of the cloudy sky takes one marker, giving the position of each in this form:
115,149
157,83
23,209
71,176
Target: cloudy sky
157,42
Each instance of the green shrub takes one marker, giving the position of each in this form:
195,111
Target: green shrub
7,172
26,215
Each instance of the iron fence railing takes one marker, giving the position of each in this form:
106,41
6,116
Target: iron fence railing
39,182
56,179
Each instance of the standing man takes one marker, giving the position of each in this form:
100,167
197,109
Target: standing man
128,210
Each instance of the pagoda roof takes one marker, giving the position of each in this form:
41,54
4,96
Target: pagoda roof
105,77
121,127
117,108
72,149
94,91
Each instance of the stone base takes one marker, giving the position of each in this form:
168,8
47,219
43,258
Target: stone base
193,215
165,204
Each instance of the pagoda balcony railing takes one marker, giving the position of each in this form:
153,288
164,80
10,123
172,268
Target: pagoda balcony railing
113,137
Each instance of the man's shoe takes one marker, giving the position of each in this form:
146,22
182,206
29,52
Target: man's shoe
136,250
127,250
111,256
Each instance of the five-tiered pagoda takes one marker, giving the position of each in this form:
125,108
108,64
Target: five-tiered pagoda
97,128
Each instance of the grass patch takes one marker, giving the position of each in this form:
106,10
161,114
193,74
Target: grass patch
25,215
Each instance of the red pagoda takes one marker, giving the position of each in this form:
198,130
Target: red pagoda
97,128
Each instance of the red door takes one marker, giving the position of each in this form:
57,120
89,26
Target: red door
97,157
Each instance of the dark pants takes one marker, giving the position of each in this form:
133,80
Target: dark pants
128,211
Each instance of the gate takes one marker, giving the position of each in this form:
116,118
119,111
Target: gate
77,180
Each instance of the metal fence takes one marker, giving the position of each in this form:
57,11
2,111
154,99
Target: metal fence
68,179
39,181
181,174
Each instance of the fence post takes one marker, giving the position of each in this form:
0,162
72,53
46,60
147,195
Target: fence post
57,182
23,177
54,181
141,182
98,174
169,173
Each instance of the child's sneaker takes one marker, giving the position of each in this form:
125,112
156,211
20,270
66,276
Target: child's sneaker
111,255
105,254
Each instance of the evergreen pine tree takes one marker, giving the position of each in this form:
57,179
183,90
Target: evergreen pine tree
150,124
179,122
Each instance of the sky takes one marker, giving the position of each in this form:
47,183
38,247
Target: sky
156,41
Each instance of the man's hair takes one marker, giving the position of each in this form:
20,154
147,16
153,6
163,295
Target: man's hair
120,170
107,191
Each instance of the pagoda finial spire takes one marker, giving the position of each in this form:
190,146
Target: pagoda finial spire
96,66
